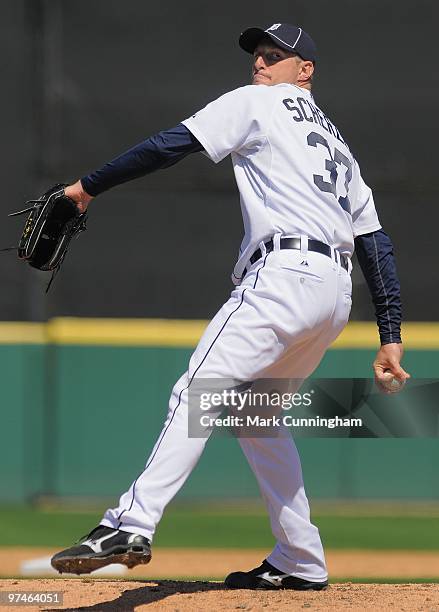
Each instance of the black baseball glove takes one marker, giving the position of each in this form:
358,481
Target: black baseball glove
53,221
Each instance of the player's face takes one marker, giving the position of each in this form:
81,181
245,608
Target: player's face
273,65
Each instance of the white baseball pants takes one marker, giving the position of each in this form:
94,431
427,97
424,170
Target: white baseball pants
278,323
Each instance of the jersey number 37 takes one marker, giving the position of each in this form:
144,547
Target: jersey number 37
331,165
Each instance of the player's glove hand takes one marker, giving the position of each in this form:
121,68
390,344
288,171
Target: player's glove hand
53,221
390,377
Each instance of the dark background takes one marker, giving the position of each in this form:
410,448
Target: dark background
84,80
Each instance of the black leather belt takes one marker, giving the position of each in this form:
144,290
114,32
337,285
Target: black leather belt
294,243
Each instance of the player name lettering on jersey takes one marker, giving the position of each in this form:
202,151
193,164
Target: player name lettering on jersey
304,110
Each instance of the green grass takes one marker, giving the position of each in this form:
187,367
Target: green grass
232,529
379,532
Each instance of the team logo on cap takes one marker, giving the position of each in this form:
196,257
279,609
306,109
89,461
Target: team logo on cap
273,27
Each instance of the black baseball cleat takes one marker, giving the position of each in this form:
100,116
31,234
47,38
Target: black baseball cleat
101,547
268,577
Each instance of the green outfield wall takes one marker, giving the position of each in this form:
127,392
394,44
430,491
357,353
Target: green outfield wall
83,401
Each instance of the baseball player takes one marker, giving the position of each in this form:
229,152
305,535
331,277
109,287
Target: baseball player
305,208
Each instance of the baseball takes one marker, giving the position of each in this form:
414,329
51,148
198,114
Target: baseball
391,384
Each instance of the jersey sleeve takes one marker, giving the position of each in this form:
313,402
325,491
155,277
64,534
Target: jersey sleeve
375,256
235,122
160,151
364,215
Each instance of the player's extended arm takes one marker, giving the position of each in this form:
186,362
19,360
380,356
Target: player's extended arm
160,151
376,259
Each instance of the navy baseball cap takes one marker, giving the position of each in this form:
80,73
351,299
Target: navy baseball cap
284,35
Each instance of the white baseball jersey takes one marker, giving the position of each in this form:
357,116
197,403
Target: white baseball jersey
295,173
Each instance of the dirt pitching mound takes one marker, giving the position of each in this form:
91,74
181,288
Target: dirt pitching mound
120,595
215,563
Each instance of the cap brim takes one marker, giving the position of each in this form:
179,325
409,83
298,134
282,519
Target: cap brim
250,38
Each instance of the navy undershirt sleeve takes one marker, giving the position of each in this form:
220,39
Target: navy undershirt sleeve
160,151
376,259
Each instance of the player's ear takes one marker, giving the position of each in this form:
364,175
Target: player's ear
306,71
308,68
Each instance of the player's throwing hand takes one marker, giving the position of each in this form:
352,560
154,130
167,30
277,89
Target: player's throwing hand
390,377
